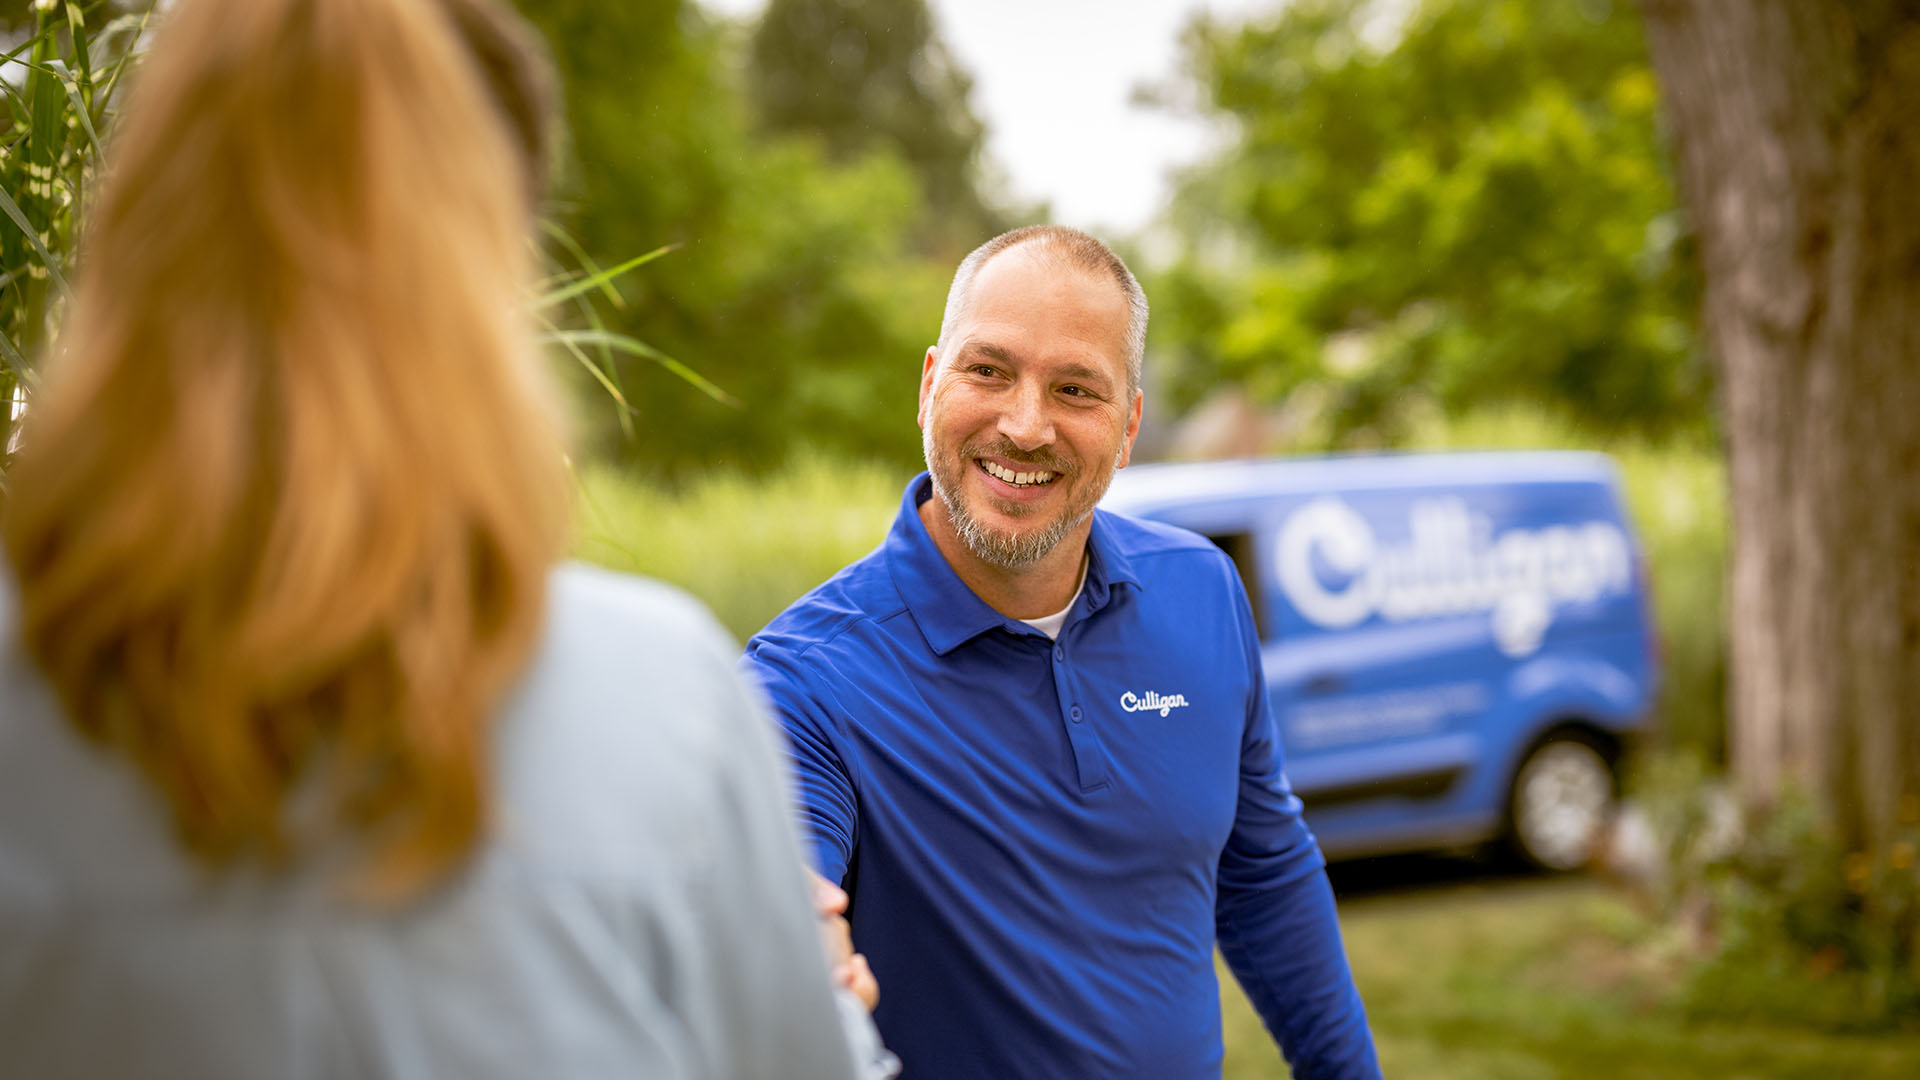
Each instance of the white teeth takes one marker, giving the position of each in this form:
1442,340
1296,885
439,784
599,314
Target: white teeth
1018,479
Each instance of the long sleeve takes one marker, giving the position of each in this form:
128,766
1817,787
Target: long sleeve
1275,915
759,939
824,794
826,808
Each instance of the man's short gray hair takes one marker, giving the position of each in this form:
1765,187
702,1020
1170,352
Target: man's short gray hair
1070,247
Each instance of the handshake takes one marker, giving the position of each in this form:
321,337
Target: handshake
849,968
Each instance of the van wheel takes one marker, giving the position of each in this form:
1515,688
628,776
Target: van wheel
1561,802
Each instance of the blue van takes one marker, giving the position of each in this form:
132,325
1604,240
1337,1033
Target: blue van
1458,646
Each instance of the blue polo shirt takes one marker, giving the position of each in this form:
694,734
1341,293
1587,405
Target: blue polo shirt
1044,839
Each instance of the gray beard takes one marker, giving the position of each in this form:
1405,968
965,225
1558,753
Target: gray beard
1006,551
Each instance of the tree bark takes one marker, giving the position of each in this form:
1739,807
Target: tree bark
1798,154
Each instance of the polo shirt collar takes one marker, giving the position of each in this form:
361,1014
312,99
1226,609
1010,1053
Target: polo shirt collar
948,613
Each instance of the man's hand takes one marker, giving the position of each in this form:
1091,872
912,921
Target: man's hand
850,970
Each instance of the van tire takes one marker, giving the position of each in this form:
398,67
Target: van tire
1561,802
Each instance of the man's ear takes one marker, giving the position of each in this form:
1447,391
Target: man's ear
1133,429
927,368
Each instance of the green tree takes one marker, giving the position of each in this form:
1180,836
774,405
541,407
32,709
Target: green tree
794,286
861,74
1447,203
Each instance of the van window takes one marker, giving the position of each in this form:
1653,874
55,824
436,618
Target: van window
1239,547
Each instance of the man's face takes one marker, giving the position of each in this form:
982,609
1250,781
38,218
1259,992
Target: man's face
1028,415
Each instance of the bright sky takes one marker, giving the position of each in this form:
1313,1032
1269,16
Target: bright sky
1054,79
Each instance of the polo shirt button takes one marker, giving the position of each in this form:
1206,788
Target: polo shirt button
1059,653
1075,713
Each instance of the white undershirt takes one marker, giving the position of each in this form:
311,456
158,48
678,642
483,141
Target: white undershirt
1050,624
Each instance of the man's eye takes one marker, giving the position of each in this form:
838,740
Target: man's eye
1076,391
987,370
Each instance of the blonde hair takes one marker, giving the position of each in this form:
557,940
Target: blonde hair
286,501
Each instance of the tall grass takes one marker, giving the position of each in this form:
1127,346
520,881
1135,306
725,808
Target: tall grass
747,547
60,91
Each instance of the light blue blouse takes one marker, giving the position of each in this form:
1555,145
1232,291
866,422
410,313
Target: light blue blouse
639,912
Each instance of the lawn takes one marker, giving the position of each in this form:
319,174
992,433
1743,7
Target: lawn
1491,977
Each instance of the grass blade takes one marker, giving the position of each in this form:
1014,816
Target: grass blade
86,119
14,53
104,89
15,360
565,239
633,347
12,210
104,54
19,100
590,314
77,30
626,410
598,280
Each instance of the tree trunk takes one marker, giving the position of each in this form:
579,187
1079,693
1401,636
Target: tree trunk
1793,126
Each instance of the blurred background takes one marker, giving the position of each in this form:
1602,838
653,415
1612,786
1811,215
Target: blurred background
1363,225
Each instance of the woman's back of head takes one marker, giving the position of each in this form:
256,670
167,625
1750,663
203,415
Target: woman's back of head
292,485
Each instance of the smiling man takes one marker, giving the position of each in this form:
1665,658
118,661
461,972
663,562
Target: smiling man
1031,738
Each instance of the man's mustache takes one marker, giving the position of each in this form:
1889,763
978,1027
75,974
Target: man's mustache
1039,459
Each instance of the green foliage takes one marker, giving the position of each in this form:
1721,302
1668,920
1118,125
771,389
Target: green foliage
793,313
57,114
865,74
1443,203
1783,923
746,546
795,288
74,57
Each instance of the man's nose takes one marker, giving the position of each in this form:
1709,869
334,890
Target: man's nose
1026,421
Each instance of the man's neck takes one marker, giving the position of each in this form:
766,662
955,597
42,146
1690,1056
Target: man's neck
1031,592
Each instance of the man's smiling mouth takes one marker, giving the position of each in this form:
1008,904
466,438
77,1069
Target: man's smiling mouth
1017,479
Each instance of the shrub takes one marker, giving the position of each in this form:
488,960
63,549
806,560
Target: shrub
1780,922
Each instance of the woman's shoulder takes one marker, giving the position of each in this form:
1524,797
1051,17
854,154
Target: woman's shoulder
632,607
631,710
618,642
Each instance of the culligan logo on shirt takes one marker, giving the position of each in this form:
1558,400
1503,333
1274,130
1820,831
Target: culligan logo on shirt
1337,574
1152,701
